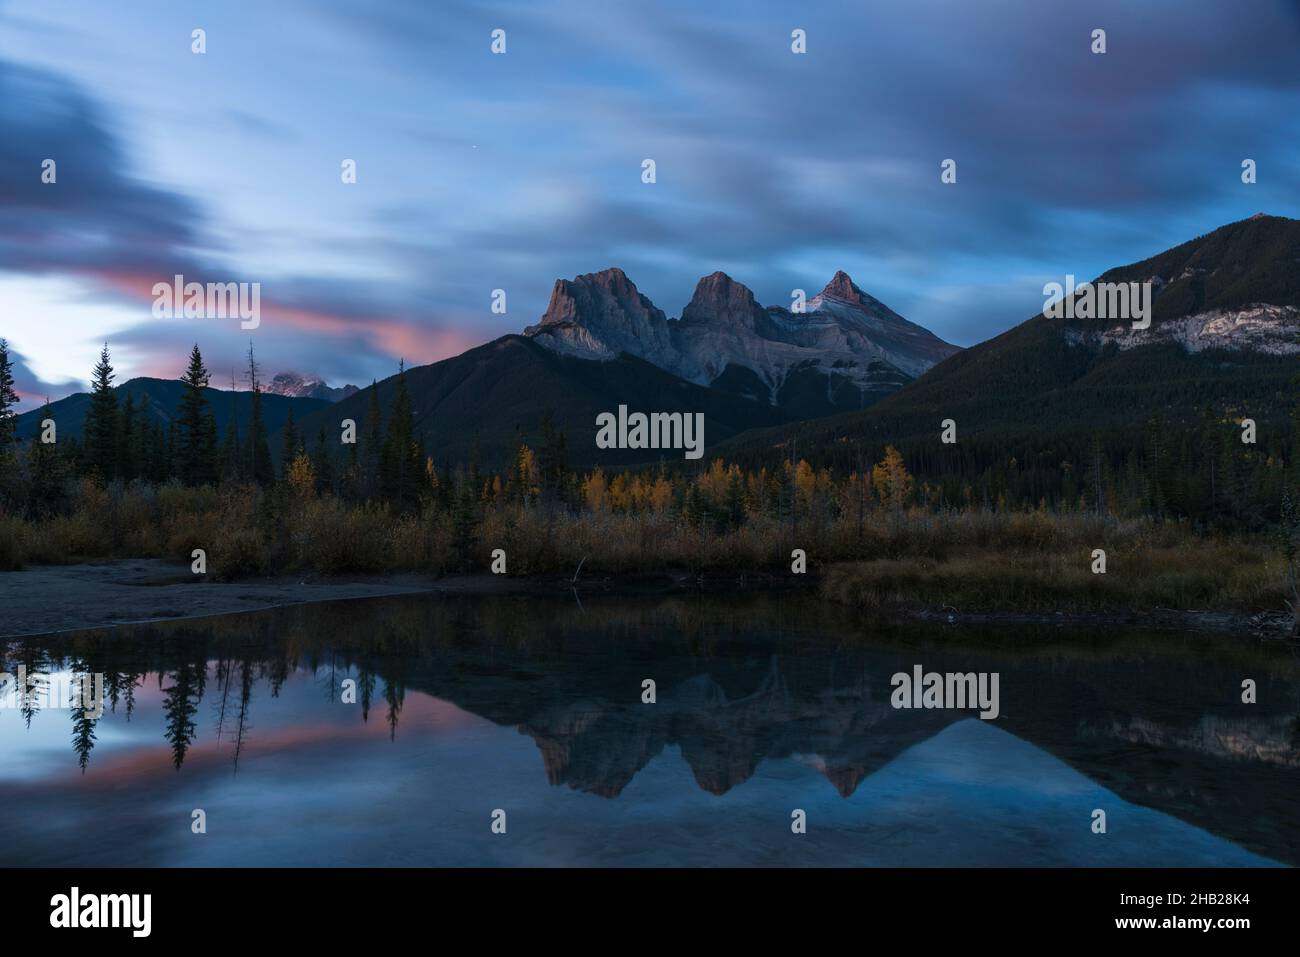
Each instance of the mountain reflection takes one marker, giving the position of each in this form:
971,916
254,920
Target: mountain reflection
740,681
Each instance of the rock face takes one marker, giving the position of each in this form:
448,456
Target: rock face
601,314
298,386
844,351
1260,327
867,325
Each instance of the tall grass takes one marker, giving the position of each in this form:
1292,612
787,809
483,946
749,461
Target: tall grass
966,559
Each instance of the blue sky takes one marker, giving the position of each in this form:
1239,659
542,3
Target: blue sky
479,171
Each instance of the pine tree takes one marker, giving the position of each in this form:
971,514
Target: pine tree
101,426
196,445
735,501
552,459
291,444
260,469
47,472
8,400
322,464
159,459
230,458
371,453
128,464
8,425
351,482
401,466
464,525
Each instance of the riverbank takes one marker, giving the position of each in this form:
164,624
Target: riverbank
54,598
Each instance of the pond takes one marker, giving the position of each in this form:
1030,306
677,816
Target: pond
503,731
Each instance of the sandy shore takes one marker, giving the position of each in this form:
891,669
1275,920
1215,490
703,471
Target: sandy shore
52,598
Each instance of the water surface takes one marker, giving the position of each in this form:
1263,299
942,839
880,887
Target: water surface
765,704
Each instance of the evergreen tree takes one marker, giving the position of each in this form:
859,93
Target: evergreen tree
401,468
8,400
101,426
323,464
231,457
552,459
47,471
351,482
735,503
371,453
8,426
128,464
159,460
180,705
464,524
260,469
83,733
291,445
196,443
230,460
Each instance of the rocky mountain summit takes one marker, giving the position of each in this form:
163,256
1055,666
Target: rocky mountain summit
297,386
844,350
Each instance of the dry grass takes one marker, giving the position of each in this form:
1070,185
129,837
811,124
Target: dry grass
970,560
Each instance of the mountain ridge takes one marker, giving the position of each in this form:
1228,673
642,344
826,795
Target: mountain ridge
845,350
1049,376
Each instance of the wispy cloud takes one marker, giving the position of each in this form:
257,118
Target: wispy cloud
479,172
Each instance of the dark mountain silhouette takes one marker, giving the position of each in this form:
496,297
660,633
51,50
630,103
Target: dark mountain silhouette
1224,335
601,344
499,392
161,399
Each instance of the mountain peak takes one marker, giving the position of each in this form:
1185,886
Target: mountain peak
841,287
599,315
718,297
852,348
610,278
296,385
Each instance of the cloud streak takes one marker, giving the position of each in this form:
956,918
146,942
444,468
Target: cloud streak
479,172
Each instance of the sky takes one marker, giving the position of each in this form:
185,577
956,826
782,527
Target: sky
479,171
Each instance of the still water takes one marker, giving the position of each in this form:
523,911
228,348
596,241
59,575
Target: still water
764,705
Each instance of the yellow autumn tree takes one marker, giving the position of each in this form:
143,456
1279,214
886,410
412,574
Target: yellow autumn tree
524,481
302,477
661,494
805,483
892,481
713,483
619,493
594,490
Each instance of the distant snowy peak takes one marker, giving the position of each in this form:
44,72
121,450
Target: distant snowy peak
297,386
